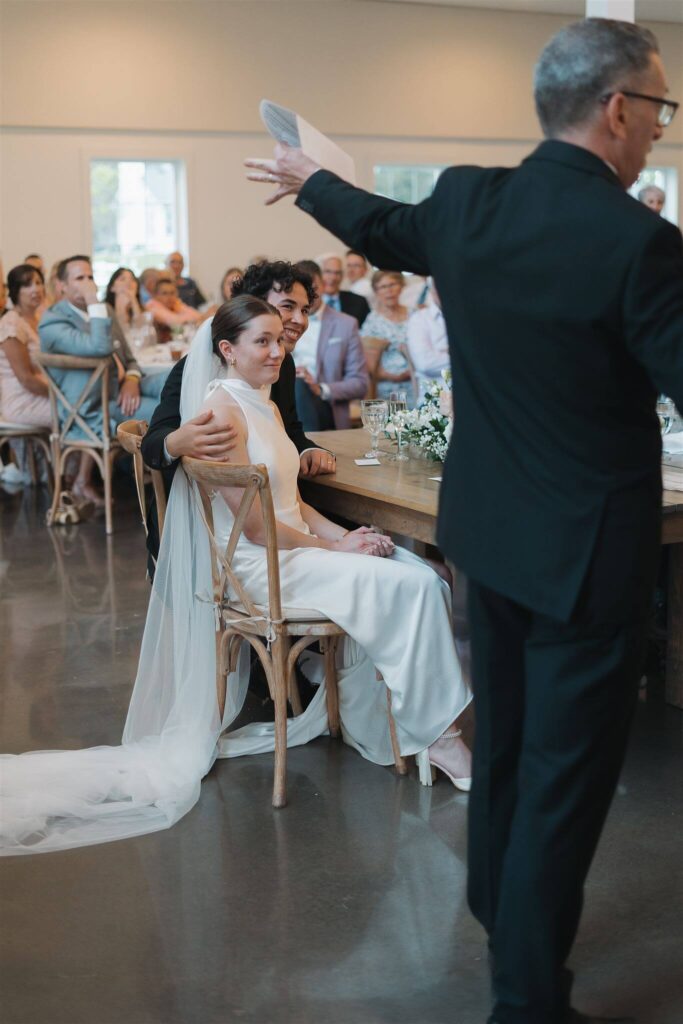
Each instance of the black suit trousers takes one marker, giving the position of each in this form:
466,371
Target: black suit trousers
554,702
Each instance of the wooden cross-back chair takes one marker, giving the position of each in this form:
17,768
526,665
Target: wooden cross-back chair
102,447
277,634
34,437
130,434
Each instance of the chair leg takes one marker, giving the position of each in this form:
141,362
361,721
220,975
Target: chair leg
294,695
329,646
59,472
221,674
399,760
279,663
31,461
107,464
47,455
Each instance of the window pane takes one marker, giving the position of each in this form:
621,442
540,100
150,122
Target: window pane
407,183
135,220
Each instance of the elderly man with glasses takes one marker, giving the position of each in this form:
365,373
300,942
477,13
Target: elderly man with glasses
563,300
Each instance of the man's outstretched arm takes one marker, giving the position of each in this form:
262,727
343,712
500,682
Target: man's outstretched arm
392,235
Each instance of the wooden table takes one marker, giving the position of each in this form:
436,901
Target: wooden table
401,498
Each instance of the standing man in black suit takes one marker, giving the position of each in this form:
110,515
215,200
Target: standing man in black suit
332,270
563,298
291,291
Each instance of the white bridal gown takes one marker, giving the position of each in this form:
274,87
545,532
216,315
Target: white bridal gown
396,610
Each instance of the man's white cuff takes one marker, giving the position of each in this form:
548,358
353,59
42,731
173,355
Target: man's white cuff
98,311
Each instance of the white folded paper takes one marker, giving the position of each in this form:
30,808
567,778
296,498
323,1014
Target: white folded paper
288,127
673,443
367,462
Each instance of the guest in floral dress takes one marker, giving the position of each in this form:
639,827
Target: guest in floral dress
389,320
23,385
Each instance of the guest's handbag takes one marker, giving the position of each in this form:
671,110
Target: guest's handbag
69,511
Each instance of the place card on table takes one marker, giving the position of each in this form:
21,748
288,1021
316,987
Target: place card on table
367,462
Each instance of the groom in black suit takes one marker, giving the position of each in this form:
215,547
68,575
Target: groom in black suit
563,298
291,290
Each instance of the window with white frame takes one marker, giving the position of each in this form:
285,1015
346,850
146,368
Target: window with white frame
138,213
408,183
665,178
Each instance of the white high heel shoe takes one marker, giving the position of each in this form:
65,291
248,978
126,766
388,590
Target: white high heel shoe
431,758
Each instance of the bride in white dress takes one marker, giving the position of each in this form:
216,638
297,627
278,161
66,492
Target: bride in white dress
394,608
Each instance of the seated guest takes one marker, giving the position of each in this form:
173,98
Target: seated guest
34,260
123,295
229,278
23,385
654,197
189,291
168,310
389,320
415,292
357,275
344,302
79,325
428,341
148,282
330,364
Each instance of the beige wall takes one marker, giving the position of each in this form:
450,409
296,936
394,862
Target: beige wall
393,82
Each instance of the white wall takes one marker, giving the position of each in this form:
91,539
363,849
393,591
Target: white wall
393,82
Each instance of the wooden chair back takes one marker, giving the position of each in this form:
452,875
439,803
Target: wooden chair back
99,376
373,349
130,434
254,480
101,447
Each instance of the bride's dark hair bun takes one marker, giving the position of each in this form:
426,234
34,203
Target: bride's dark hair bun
234,316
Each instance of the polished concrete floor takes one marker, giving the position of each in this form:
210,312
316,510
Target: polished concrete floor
347,907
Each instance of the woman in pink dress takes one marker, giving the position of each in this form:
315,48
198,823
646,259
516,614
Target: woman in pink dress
23,385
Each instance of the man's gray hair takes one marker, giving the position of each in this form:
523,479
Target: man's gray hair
582,63
645,192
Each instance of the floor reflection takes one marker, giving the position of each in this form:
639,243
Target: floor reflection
347,907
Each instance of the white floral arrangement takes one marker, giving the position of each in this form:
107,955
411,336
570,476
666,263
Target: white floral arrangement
430,425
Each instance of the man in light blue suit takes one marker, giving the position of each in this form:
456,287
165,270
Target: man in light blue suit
79,325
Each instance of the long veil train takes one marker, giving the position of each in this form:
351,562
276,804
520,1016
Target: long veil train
54,800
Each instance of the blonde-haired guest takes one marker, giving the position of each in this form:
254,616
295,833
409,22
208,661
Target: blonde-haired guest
389,320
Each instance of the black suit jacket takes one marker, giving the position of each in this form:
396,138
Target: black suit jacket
166,418
354,305
563,299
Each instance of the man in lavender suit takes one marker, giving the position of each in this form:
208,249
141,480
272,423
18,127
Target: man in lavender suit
330,364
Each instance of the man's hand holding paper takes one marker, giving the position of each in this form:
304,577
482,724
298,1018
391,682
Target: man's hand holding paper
289,170
300,151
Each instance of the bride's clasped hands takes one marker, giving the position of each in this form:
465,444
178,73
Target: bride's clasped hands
364,541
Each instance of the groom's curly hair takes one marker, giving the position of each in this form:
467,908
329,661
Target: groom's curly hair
279,275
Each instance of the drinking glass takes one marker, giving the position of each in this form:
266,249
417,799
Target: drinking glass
398,406
666,412
374,414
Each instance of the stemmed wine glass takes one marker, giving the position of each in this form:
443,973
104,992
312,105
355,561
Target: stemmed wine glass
374,414
666,411
398,407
